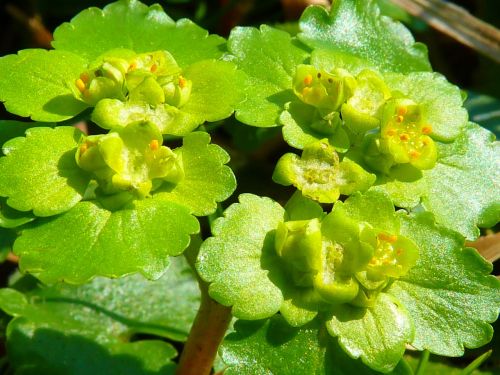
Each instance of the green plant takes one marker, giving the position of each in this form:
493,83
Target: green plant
339,289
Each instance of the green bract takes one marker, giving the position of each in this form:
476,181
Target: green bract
342,267
146,68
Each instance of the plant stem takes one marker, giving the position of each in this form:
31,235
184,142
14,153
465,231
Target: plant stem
207,332
422,364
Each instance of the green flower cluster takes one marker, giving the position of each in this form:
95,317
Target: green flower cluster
342,260
126,87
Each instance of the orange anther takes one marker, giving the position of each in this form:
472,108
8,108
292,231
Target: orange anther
132,66
404,137
391,238
414,154
402,111
427,129
85,77
154,145
153,68
80,85
390,132
399,252
399,118
308,79
182,82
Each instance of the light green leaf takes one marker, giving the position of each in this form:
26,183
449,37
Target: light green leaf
236,261
269,57
132,25
462,189
34,83
377,335
357,28
440,102
39,172
448,294
207,179
87,329
217,89
89,241
273,347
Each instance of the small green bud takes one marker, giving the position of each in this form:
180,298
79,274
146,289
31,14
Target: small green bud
298,243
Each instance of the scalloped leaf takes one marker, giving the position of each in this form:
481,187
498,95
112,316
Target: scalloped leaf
269,57
358,29
449,295
10,129
132,25
236,260
34,83
462,189
10,218
440,101
377,335
217,89
207,179
94,323
39,171
90,241
266,347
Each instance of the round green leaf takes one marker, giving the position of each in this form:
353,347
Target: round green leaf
207,180
132,25
35,83
269,57
448,294
377,335
89,241
357,28
236,260
39,171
